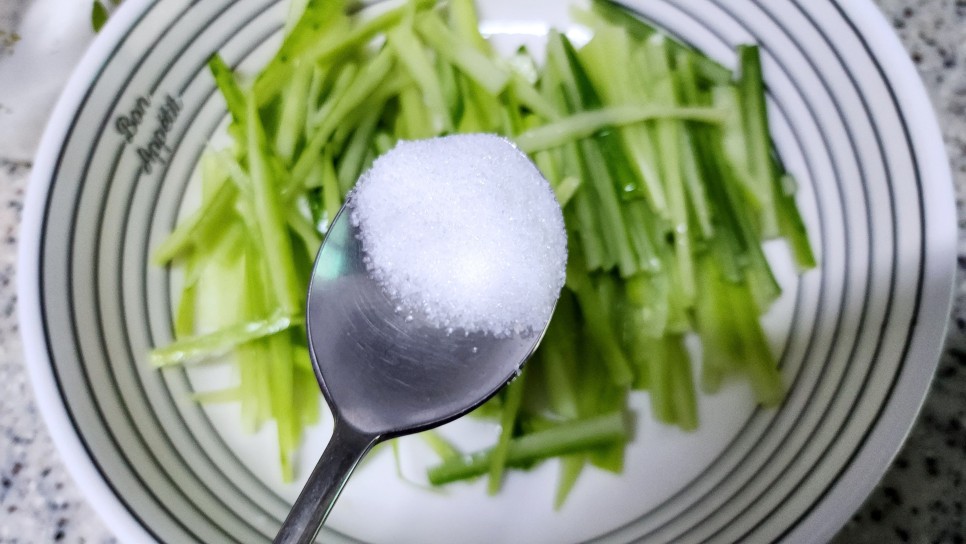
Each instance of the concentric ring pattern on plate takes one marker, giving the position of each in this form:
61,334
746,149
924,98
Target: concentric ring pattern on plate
849,119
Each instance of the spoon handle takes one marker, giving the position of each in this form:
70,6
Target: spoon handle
344,451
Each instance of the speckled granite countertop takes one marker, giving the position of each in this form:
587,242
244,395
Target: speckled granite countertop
921,499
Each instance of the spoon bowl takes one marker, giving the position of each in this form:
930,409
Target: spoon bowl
384,373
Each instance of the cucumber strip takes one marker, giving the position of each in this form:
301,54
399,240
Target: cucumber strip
215,259
471,61
729,244
645,317
589,229
792,227
281,381
756,361
615,236
754,118
718,344
561,72
303,227
695,186
669,141
531,98
252,356
343,78
331,191
601,334
607,58
562,439
465,23
363,85
727,321
212,345
271,220
609,457
640,227
442,447
557,359
583,216
679,318
256,404
415,120
204,224
571,466
482,111
218,396
732,140
230,165
710,71
566,189
626,182
756,270
412,56
228,86
547,161
306,398
318,18
626,232
184,317
335,45
584,124
682,397
317,89
294,104
296,10
446,73
659,373
595,165
354,154
598,395
508,420
383,142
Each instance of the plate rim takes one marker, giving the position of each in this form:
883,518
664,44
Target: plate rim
823,518
74,456
912,385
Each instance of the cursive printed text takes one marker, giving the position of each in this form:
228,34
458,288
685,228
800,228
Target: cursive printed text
156,149
127,125
151,148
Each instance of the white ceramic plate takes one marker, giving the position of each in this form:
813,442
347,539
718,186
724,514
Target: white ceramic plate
859,336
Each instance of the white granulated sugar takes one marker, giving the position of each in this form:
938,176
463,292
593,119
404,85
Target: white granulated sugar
464,231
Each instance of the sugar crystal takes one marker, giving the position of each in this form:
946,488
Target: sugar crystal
464,231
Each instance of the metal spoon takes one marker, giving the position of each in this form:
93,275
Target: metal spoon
382,373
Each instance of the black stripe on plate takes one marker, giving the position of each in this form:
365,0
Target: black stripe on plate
865,304
75,330
171,222
835,338
212,431
922,258
43,288
252,46
887,310
144,260
96,251
132,358
821,296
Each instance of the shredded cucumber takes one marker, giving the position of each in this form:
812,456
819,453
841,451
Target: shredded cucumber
659,156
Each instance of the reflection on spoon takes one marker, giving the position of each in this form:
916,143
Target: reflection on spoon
398,343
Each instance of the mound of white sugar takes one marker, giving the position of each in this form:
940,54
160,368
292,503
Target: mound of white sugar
464,231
